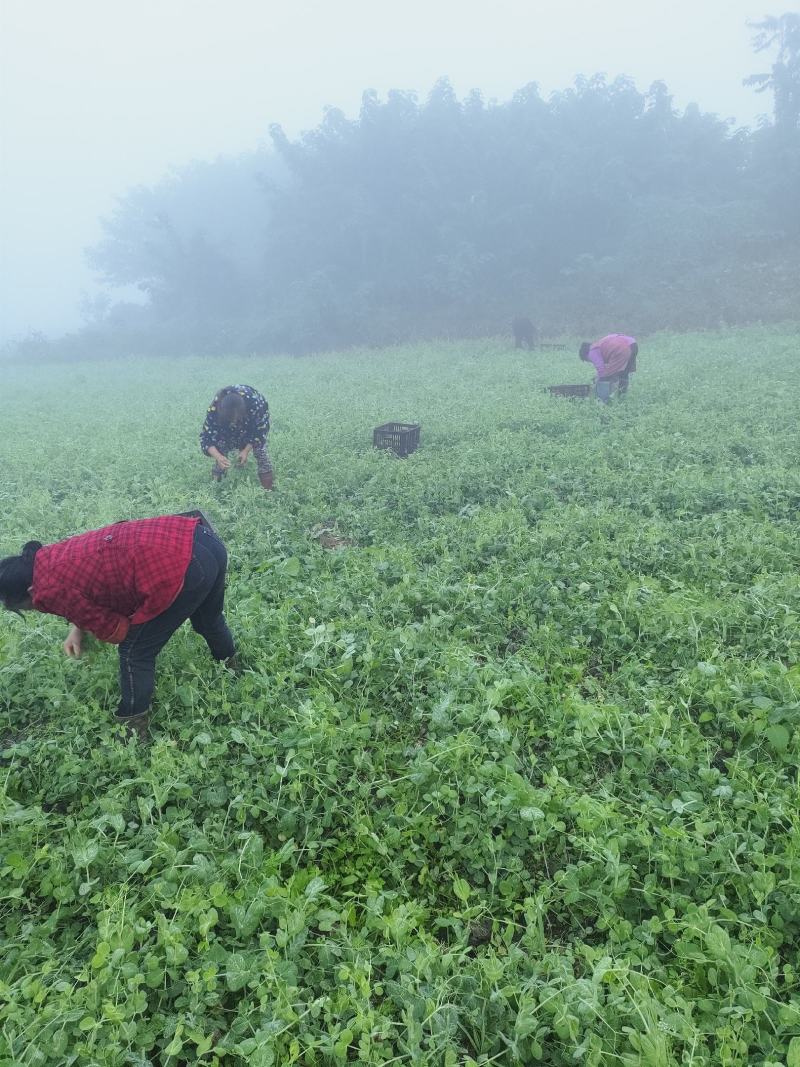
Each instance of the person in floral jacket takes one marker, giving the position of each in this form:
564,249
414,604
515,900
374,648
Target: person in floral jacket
237,419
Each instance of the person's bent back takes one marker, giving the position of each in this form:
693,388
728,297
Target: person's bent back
131,584
614,359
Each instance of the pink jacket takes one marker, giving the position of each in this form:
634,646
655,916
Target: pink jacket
611,354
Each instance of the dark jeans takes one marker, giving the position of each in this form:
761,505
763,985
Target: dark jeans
200,600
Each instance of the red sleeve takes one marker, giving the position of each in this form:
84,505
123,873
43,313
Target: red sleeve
106,625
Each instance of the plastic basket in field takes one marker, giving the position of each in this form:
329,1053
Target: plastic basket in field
551,346
572,391
402,438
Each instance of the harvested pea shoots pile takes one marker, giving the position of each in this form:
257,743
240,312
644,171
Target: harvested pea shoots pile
511,776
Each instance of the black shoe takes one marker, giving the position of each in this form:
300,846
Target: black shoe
233,664
136,726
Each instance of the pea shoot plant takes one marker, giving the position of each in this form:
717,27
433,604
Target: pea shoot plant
510,775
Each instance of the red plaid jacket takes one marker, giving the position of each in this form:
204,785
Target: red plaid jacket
109,579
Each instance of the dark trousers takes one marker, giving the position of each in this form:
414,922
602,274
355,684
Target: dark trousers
201,601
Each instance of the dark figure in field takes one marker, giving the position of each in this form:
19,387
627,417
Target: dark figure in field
132,585
524,333
614,359
237,419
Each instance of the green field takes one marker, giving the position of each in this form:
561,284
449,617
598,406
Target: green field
511,779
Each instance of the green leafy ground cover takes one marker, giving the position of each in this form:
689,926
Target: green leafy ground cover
513,779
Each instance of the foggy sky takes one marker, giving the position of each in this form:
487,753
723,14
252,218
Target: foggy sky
99,95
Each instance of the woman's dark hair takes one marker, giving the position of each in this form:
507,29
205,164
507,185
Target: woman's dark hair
583,351
16,576
231,408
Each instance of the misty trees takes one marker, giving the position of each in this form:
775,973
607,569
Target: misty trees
193,243
776,148
599,204
783,80
450,216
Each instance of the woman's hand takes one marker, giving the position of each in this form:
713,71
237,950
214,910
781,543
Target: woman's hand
222,461
244,454
73,646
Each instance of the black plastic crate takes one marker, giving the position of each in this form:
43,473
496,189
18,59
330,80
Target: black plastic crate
570,390
402,438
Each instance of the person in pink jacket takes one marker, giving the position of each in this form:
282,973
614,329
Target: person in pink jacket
614,359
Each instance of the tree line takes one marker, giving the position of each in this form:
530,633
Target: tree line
597,206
